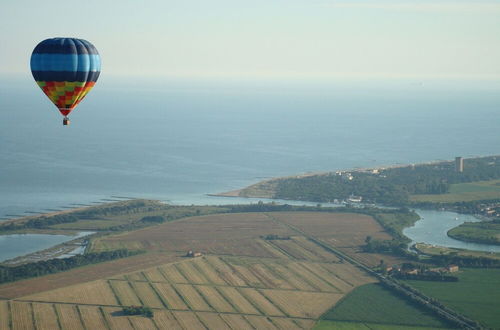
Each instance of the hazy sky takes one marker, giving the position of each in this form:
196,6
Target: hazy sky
269,38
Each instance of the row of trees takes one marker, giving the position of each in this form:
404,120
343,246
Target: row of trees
34,269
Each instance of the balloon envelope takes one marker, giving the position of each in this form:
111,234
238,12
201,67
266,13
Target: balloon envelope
66,69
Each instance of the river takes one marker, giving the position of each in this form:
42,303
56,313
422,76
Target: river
433,226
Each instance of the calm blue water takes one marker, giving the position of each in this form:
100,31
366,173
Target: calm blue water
433,226
15,245
179,140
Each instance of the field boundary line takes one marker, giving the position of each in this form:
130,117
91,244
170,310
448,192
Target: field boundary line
33,318
321,276
106,322
273,303
203,297
307,269
79,313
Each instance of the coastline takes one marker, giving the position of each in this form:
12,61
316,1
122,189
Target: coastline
261,189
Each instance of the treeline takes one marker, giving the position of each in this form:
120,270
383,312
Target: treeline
43,222
39,222
138,310
464,261
34,269
125,207
469,207
426,277
391,186
393,246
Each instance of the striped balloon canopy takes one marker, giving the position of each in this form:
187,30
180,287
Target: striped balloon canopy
66,69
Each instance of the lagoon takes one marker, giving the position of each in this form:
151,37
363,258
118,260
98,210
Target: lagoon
16,245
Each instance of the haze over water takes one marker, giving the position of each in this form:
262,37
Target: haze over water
179,140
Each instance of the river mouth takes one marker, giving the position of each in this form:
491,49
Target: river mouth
434,225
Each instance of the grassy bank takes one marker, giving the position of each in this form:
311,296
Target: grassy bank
486,232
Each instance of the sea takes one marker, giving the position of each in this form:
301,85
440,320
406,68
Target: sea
178,140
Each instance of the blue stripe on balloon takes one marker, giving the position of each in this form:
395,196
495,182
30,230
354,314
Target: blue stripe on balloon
65,62
65,75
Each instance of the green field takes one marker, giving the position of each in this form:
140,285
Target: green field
476,294
464,192
487,232
342,325
371,303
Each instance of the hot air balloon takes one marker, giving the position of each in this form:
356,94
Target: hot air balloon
66,69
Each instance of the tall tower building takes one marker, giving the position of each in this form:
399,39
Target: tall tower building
459,164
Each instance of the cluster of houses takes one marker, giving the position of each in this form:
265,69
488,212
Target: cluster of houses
191,254
490,210
409,269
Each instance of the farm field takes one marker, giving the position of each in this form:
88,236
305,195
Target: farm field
475,295
464,192
372,303
345,231
216,304
242,281
229,234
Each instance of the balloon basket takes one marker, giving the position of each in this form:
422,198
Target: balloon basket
66,121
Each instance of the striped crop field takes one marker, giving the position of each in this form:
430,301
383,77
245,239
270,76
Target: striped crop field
284,323
45,316
124,293
323,254
165,320
21,316
240,303
137,276
154,275
147,294
335,282
260,322
291,278
262,303
4,314
215,299
348,273
268,278
271,249
237,321
225,272
169,296
209,272
311,278
212,321
92,317
292,302
142,323
188,320
305,324
247,275
192,297
188,270
171,273
69,317
96,292
116,320
296,251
